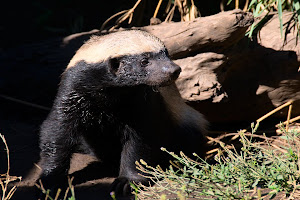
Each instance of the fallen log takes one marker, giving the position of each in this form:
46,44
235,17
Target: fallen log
198,80
224,76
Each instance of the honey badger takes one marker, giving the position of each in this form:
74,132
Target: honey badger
117,98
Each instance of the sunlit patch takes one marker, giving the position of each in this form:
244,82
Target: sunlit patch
100,48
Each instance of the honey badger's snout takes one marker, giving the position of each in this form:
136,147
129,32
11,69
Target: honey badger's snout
176,71
172,70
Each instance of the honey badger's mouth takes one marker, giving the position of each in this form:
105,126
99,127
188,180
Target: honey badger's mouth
162,83
155,87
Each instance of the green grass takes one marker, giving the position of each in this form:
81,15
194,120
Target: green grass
236,174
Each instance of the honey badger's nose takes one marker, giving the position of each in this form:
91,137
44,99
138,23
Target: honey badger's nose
176,72
173,70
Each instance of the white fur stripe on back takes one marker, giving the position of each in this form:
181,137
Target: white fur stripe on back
99,48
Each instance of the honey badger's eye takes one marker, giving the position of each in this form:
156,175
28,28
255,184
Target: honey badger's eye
144,62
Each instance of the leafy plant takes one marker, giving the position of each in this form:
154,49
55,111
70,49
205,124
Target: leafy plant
237,174
262,9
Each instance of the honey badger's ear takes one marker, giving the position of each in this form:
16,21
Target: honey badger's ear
114,64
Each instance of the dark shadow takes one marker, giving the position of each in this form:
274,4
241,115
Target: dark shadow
94,170
92,192
20,126
248,74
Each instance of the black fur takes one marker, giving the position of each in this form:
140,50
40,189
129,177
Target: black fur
114,109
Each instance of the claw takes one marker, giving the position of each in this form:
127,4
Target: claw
121,187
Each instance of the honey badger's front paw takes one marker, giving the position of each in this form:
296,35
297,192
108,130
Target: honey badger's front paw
121,187
51,184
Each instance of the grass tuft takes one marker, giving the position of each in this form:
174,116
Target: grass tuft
257,170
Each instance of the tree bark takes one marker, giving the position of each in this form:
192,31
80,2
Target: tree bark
216,32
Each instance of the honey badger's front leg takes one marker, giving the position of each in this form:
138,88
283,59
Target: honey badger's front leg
56,151
133,150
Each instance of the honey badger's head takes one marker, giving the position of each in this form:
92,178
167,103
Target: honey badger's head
126,58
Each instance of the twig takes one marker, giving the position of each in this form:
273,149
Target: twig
8,178
236,4
278,148
222,5
246,6
7,153
213,140
157,8
212,151
291,121
128,13
24,102
288,117
237,134
110,18
274,111
4,187
171,13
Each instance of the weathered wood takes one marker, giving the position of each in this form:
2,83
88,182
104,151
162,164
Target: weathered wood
198,80
253,81
216,32
247,80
